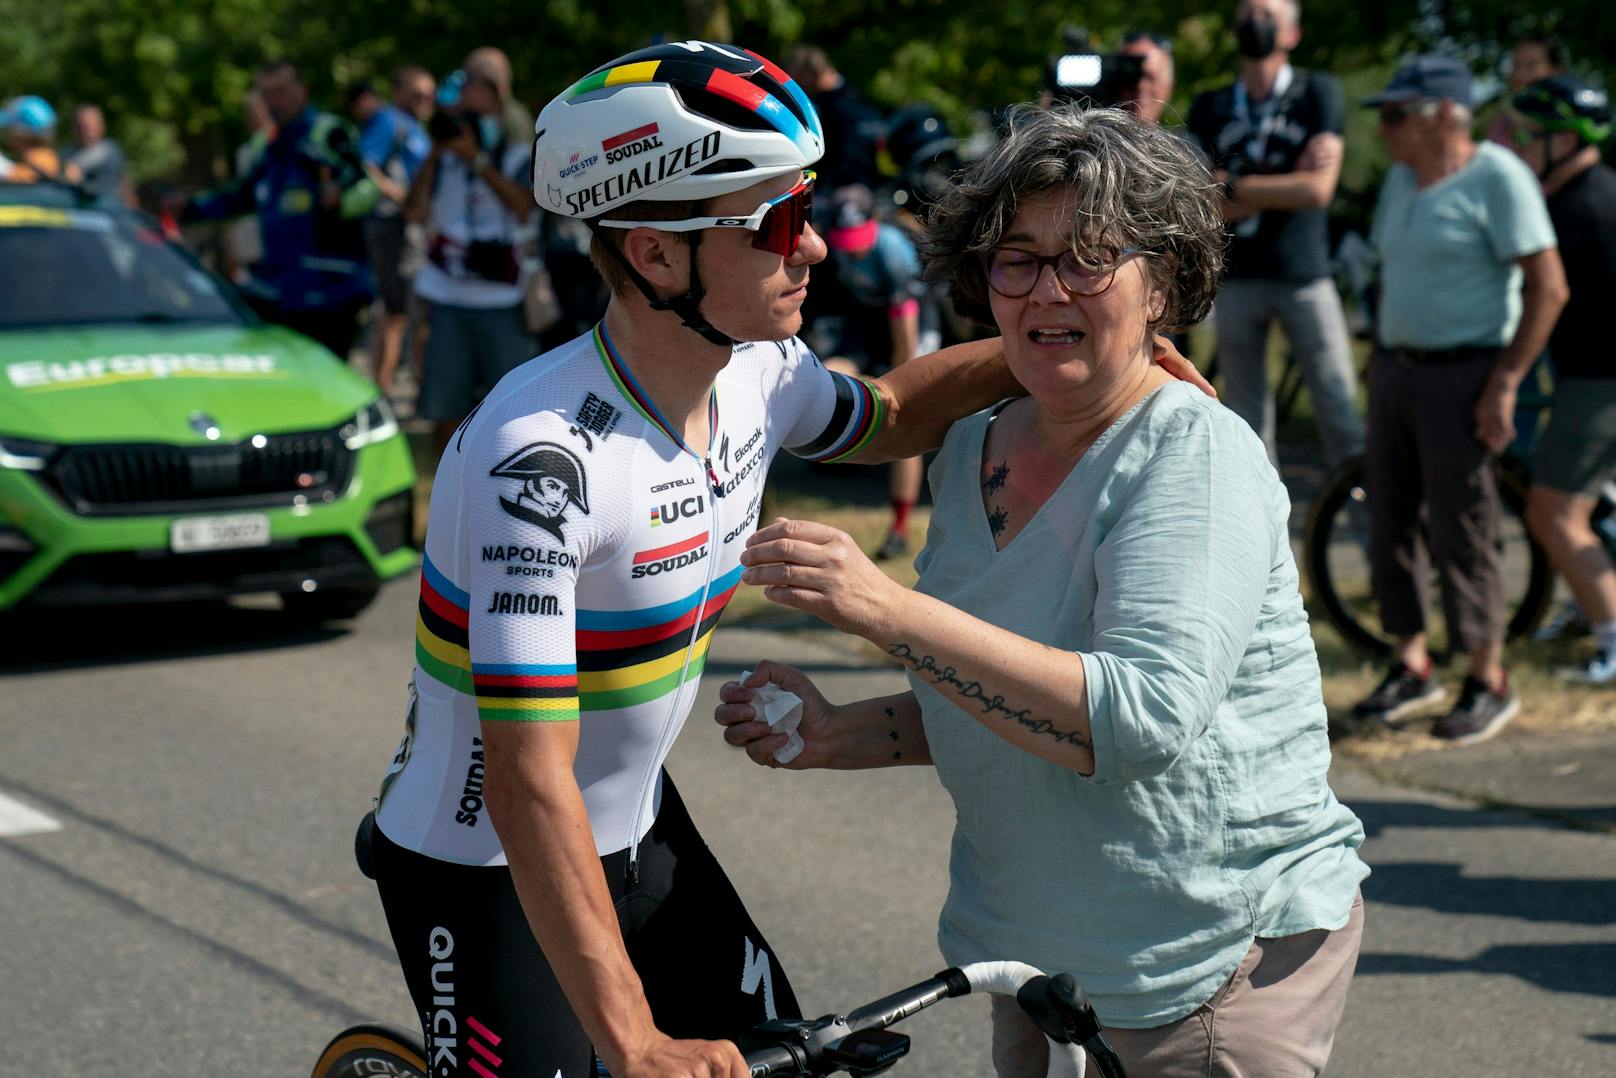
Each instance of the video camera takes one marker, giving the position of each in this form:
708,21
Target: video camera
1091,78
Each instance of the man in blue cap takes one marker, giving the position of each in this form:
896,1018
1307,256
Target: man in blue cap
1471,286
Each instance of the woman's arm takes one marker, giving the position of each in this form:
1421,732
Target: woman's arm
1030,694
881,732
1182,574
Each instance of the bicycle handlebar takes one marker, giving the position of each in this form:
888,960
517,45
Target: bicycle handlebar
859,1044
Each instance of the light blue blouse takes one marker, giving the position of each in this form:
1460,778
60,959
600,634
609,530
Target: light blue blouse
1163,563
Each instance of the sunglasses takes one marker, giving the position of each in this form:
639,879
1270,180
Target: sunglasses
776,225
1012,273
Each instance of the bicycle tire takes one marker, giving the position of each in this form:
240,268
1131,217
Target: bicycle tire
373,1048
1347,483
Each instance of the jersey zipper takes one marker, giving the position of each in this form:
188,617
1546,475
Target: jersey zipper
671,720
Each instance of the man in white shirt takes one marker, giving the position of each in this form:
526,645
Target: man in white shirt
473,192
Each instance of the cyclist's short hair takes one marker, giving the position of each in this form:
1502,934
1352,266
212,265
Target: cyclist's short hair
1130,184
608,261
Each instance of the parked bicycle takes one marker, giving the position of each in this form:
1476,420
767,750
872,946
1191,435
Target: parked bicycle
1336,558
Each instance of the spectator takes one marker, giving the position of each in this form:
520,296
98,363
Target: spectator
878,296
473,193
243,240
99,159
1109,663
308,186
1458,227
1563,121
854,128
1149,97
515,117
1274,138
392,144
30,130
1534,57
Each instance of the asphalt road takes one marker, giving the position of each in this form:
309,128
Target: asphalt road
178,791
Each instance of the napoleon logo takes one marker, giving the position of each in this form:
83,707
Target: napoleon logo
550,478
597,416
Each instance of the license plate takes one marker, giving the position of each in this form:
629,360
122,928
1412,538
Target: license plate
218,533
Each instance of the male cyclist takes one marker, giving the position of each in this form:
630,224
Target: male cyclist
544,886
1559,125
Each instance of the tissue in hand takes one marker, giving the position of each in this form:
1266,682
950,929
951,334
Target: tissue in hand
782,710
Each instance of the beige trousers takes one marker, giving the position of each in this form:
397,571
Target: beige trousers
1275,1017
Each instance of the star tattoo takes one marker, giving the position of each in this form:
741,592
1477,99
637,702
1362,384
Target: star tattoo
997,520
996,480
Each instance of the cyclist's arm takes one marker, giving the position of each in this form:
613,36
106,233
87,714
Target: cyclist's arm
538,812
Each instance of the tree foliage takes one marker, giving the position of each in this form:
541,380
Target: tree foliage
171,73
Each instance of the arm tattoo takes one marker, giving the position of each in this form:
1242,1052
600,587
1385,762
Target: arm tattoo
972,690
893,733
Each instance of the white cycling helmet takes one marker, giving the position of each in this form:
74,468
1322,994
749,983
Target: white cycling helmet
686,120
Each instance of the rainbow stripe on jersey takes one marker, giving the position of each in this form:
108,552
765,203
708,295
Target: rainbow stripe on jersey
528,691
624,657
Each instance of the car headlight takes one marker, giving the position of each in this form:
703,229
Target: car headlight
25,456
373,423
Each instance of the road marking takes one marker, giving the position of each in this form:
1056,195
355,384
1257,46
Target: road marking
17,818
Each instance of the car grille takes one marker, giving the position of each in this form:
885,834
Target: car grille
128,480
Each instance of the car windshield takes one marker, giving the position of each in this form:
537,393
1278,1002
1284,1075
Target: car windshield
79,267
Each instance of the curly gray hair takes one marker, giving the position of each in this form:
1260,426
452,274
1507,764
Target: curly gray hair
1131,184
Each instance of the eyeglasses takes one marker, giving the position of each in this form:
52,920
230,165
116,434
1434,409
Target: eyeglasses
777,224
1013,273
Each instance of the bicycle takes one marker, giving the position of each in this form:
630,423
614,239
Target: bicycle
858,1043
1335,549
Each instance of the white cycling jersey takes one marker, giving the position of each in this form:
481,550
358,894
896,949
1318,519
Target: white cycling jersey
578,556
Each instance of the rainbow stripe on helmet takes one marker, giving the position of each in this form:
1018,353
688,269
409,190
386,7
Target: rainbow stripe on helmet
724,84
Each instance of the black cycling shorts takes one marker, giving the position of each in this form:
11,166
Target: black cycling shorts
488,1001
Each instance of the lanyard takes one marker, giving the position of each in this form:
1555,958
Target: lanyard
1267,114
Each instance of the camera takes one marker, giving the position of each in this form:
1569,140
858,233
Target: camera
1083,74
449,120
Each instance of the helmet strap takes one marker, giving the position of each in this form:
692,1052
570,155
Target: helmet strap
686,306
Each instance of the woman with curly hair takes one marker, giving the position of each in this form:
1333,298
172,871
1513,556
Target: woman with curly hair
1109,663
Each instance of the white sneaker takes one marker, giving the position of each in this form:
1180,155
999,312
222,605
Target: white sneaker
1599,670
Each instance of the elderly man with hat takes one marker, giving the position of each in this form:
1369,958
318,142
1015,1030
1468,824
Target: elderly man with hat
1471,285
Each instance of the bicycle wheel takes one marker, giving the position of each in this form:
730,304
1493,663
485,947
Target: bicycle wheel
373,1049
1336,558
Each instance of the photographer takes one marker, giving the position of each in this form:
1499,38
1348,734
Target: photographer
1273,137
473,193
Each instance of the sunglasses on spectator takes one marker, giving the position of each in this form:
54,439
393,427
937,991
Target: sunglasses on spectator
776,225
1013,273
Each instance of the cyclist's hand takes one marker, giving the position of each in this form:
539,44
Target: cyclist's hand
667,1058
1176,365
744,727
819,569
1495,417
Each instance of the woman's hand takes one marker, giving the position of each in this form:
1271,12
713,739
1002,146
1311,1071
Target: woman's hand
818,569
744,726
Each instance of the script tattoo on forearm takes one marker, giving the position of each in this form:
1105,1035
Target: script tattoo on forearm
973,690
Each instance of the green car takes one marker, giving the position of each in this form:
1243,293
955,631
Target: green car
158,442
